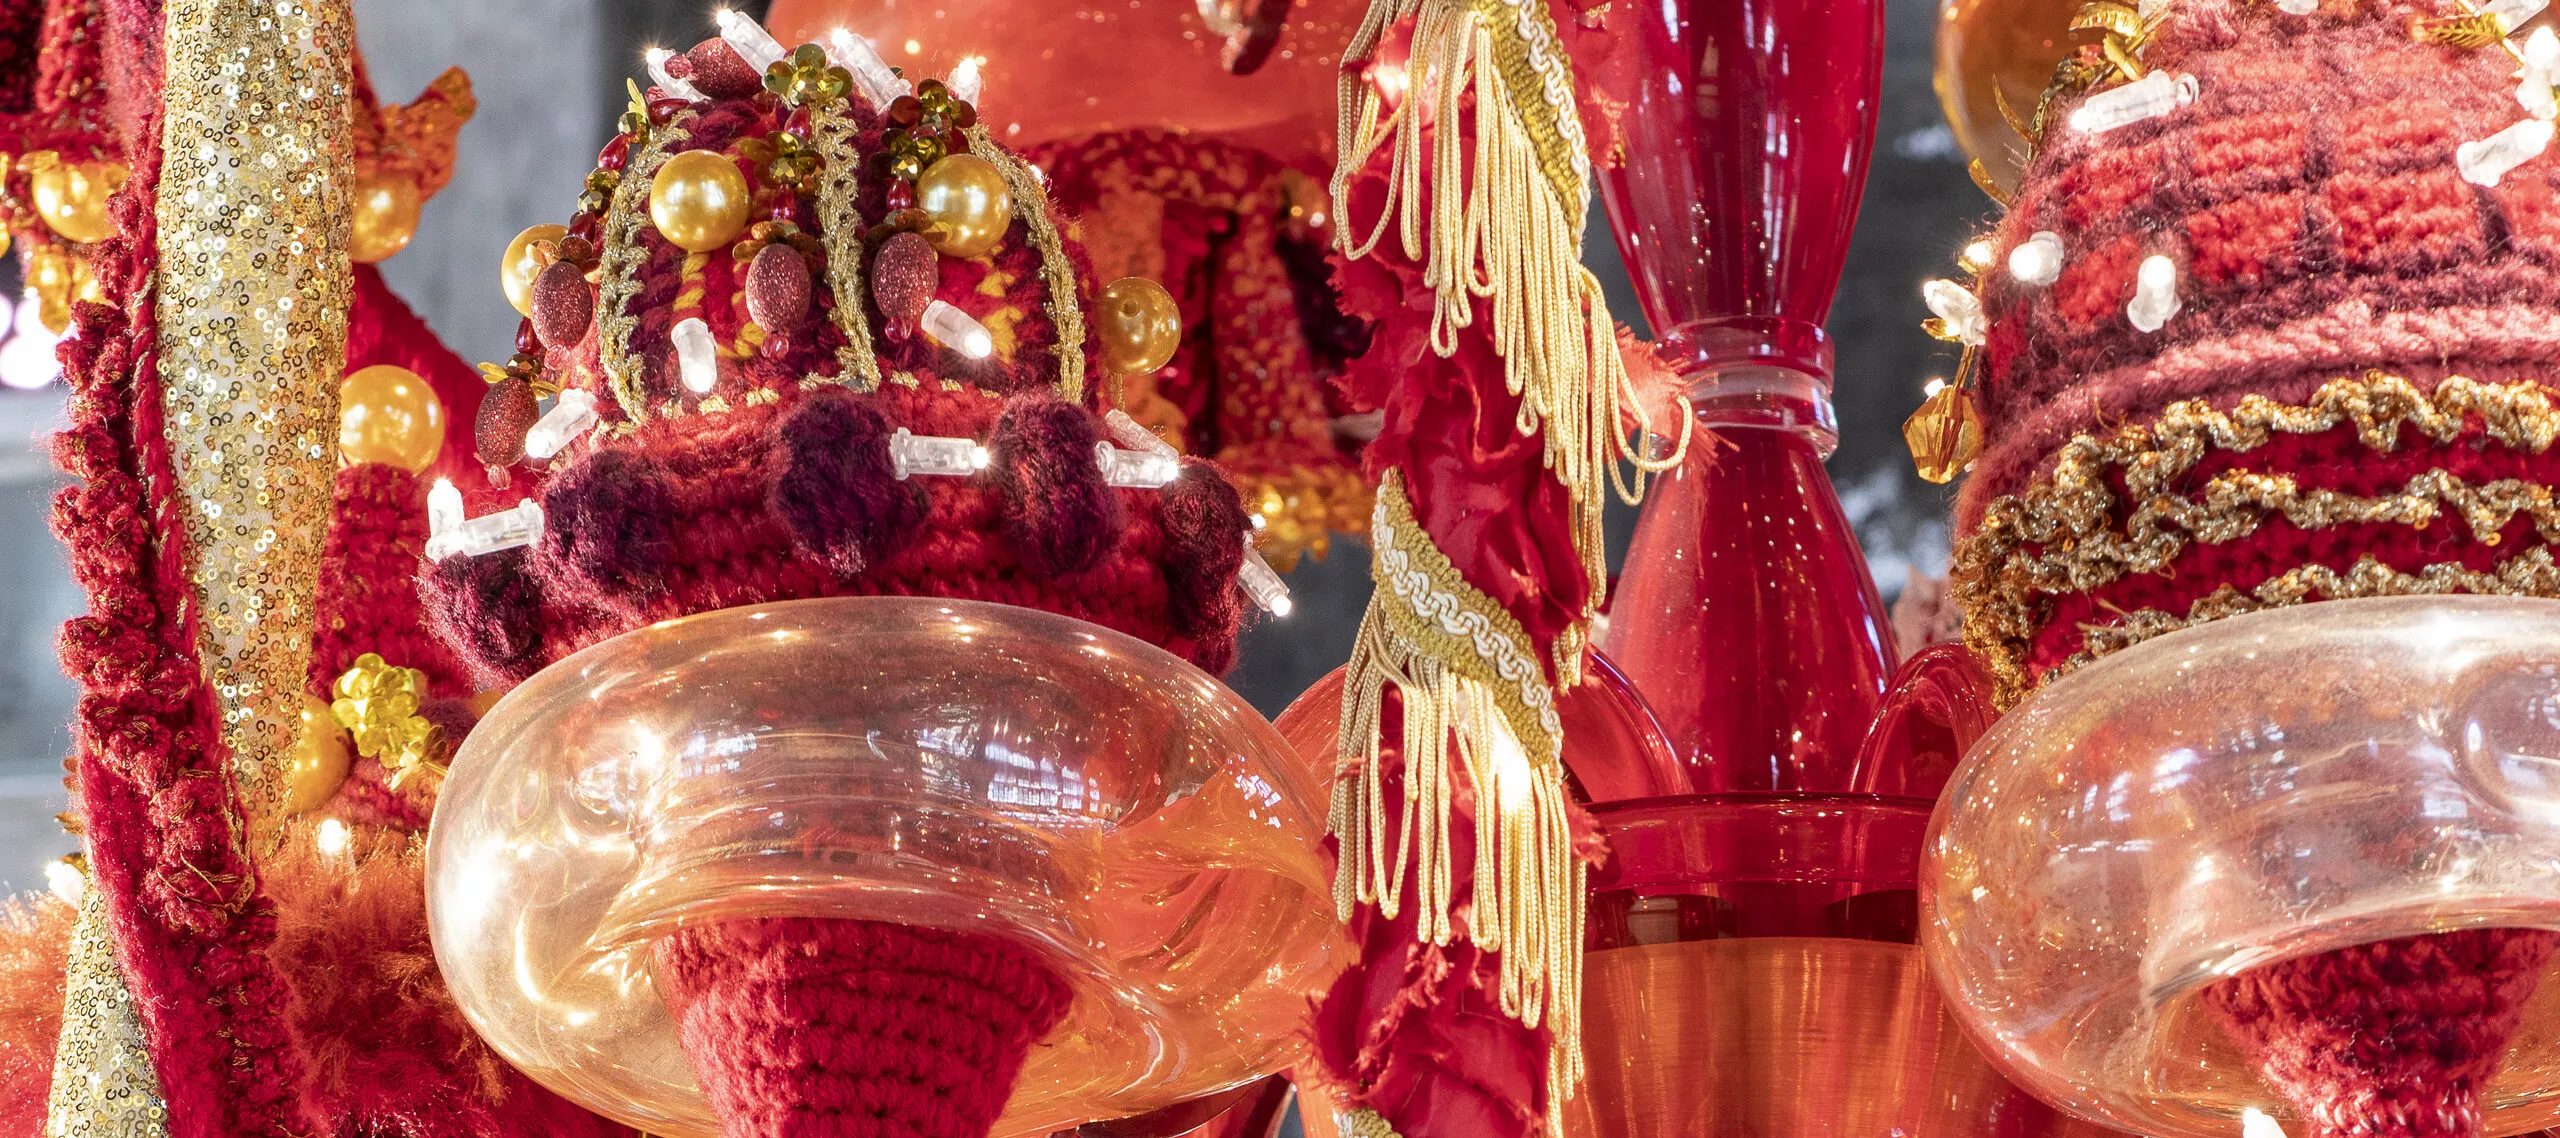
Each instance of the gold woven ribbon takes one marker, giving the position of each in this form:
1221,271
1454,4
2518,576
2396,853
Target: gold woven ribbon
254,201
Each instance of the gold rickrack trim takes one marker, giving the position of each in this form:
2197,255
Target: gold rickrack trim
1057,270
832,134
1474,697
618,281
2068,515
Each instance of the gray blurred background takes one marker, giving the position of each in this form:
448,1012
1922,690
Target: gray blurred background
549,75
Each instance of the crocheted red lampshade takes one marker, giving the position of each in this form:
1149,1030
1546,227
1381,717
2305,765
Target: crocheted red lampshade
813,403
2331,380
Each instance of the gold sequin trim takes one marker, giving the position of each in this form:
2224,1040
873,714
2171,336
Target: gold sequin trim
621,259
253,291
1066,308
832,133
1475,703
103,1082
2059,535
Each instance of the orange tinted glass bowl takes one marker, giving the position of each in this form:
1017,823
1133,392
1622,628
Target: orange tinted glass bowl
942,763
2259,788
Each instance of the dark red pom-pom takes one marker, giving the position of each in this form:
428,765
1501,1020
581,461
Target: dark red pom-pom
563,305
777,289
1204,528
1060,515
904,274
488,610
715,69
839,490
507,410
605,527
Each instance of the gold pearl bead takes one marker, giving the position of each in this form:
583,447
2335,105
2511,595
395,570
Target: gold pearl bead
387,414
517,269
71,197
1139,324
319,761
52,277
386,216
699,201
966,196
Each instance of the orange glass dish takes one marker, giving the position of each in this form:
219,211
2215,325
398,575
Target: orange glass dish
2257,789
941,763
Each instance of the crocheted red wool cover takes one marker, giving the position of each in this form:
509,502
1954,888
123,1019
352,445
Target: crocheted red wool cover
778,484
809,1028
2310,201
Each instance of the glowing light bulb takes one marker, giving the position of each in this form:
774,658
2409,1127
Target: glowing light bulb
1933,387
570,416
880,84
445,512
658,57
957,330
964,81
2255,1123
911,453
1263,584
1136,469
748,38
697,355
332,837
65,880
2037,260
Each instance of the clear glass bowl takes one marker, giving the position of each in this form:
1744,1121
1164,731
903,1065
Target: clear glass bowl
2250,790
942,763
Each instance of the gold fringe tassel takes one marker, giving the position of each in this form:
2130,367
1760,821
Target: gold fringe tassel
1473,695
1508,229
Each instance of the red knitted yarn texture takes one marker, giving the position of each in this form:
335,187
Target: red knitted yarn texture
367,595
2394,1038
804,1027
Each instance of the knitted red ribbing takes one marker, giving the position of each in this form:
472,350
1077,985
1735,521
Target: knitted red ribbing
367,598
805,1027
155,792
2395,1038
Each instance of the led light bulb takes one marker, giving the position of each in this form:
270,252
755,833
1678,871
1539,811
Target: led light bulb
444,508
1262,583
658,57
880,84
64,879
570,416
2484,162
964,81
2155,294
2149,97
2038,259
957,330
1136,469
1134,436
748,38
697,355
2513,14
911,453
1958,309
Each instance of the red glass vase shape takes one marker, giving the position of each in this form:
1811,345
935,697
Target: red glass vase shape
1747,616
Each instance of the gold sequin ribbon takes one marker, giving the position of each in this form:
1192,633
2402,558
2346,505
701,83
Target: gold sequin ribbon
2062,533
254,286
103,1082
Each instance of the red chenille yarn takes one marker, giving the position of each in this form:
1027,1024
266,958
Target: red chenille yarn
821,1028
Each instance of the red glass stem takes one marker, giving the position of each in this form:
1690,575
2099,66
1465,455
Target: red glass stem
1748,621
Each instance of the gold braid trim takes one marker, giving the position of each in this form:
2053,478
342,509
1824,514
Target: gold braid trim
2067,517
1505,216
1471,688
832,134
1057,270
2531,573
620,260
